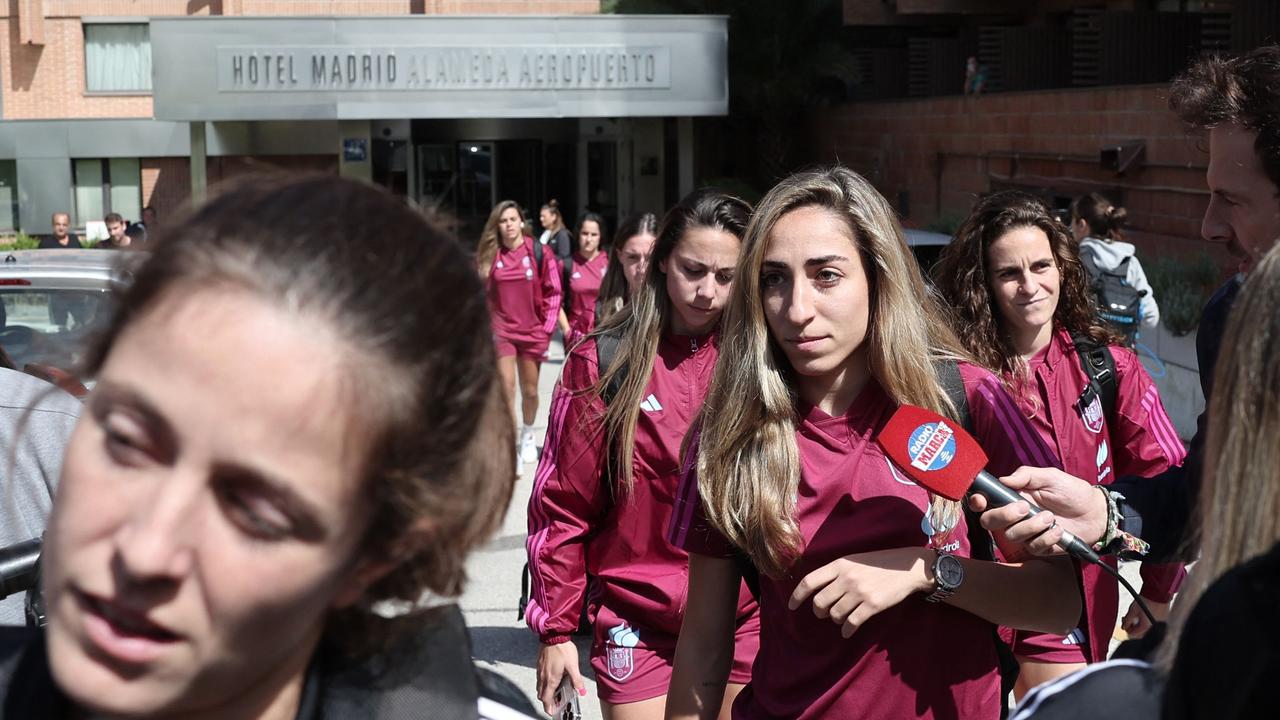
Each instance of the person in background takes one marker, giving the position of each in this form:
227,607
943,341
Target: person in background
523,289
138,231
1236,101
36,420
1021,304
871,602
1096,225
117,238
628,262
582,277
1218,659
62,237
975,76
62,307
602,495
554,233
279,440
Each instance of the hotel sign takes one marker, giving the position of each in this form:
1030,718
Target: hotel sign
338,68
438,67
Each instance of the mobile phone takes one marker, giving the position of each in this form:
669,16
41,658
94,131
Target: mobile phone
567,701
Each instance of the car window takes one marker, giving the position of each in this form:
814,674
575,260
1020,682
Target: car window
50,327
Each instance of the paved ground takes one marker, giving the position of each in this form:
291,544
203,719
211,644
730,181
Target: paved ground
507,645
498,639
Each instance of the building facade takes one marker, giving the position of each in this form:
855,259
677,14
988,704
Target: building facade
1074,100
113,105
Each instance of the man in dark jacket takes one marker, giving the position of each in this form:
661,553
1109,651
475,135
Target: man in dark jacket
1237,101
62,237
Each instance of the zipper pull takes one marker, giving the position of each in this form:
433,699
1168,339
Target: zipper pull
693,344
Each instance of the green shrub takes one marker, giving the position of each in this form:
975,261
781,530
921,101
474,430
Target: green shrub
24,241
945,224
1182,287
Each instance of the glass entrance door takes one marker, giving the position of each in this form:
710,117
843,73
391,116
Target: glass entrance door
602,179
475,187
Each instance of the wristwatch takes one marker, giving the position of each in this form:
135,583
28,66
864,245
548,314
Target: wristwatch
948,573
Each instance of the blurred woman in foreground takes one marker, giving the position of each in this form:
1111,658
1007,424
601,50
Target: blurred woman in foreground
278,439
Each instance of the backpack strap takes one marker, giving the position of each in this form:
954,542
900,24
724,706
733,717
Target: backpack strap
566,289
982,546
1090,262
537,255
606,352
1123,268
1099,366
953,385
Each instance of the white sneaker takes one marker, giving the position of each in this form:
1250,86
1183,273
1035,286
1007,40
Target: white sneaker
528,448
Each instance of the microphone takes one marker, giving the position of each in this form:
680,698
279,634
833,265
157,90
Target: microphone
937,454
19,567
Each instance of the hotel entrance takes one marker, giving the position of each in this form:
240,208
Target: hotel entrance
452,113
464,178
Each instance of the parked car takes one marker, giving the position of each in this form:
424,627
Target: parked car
52,302
926,246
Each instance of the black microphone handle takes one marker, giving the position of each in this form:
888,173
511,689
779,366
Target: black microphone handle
18,567
998,495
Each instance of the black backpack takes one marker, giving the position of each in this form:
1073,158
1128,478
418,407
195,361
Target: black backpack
1119,303
566,272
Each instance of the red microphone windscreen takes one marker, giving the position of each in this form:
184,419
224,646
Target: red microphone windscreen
933,451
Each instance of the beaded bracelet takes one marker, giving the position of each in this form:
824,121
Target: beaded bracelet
1113,519
1114,540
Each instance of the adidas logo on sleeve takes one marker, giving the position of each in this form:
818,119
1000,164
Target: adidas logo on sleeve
651,404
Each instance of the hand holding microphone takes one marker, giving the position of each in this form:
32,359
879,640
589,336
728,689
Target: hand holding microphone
1070,503
944,459
941,457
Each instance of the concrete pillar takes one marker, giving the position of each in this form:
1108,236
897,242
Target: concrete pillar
44,188
684,128
355,158
199,162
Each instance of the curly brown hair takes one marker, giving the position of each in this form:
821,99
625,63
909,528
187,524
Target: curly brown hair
961,277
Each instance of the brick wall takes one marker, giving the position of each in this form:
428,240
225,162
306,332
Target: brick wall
167,181
404,7
148,8
942,152
47,81
166,184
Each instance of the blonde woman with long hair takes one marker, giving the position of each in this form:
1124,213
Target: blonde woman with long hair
522,285
603,491
828,330
1218,658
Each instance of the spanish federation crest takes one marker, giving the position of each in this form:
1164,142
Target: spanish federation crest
1091,413
621,657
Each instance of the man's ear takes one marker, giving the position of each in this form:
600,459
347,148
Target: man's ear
369,569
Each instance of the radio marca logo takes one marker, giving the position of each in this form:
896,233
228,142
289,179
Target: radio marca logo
932,446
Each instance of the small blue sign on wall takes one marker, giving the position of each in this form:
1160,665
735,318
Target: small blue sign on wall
355,149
